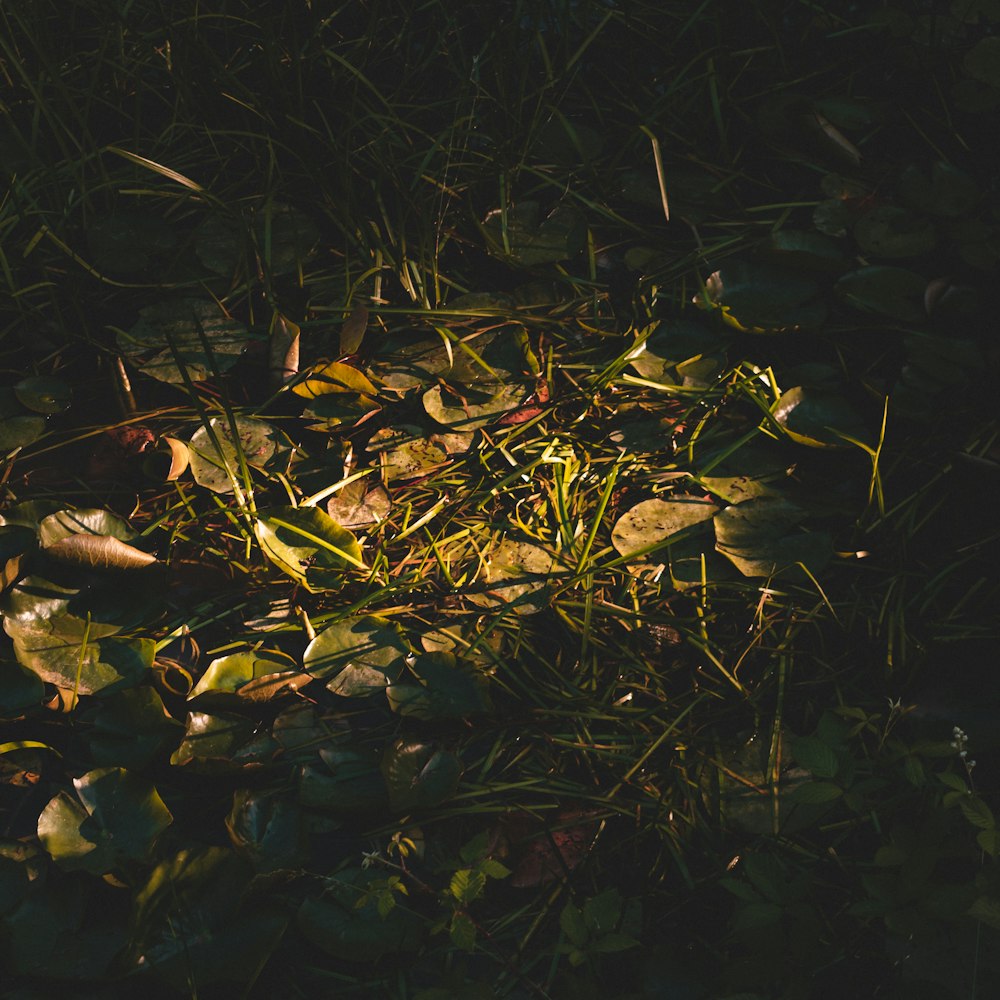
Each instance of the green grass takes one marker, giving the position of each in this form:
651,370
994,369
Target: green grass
551,335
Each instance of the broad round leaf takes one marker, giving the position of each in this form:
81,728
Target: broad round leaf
283,235
359,655
115,816
222,743
336,923
516,573
818,418
674,345
43,394
763,536
308,545
18,427
419,775
443,689
522,236
651,522
214,453
891,231
129,728
359,504
193,334
943,191
267,828
764,299
129,242
347,783
238,678
469,408
887,291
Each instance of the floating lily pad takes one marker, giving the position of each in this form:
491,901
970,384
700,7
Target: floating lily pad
680,350
893,231
765,299
763,536
20,689
419,775
405,453
983,61
115,817
71,653
348,783
193,334
308,545
283,237
516,573
241,678
267,828
818,418
443,689
18,427
359,504
43,394
652,522
334,377
943,190
340,924
221,743
887,291
469,408
129,728
214,456
359,656
806,250
522,236
129,242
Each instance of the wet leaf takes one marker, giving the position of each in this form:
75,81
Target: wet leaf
215,467
806,250
114,817
405,453
18,428
20,689
763,536
443,689
352,333
308,545
283,236
515,573
944,190
893,231
675,347
521,234
348,782
129,729
240,678
129,242
43,394
818,418
359,656
419,775
266,828
983,62
653,521
99,552
887,291
359,504
765,299
337,925
191,333
467,409
221,743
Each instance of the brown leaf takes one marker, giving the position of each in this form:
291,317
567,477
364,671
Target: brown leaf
101,552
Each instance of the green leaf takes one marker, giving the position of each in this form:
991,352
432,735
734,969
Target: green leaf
43,394
887,291
348,783
444,691
944,191
818,418
337,926
116,816
816,792
651,522
129,242
228,675
419,775
816,756
574,926
983,61
193,334
762,536
308,545
70,653
893,231
462,932
516,573
806,250
522,236
467,885
216,467
17,428
359,504
359,655
977,812
129,729
468,409
266,827
676,344
765,299
223,743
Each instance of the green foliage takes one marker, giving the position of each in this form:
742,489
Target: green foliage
470,478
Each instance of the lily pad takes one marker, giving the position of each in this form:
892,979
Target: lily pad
190,334
679,351
18,427
419,775
360,656
359,504
893,231
267,829
345,921
652,522
240,678
943,190
523,237
763,536
818,418
469,408
887,291
765,299
221,743
516,573
129,728
20,689
347,783
114,817
405,453
43,394
283,237
129,242
444,690
215,467
308,545
65,651
806,250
